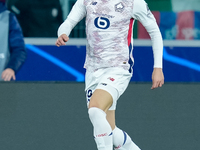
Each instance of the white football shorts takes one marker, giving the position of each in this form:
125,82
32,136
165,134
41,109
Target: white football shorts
113,80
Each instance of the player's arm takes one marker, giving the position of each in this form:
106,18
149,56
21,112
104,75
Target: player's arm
157,78
77,13
142,13
61,40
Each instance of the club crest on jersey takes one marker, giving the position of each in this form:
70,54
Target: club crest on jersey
119,7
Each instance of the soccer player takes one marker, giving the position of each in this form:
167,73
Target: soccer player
109,60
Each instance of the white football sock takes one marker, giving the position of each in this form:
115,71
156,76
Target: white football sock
122,141
102,129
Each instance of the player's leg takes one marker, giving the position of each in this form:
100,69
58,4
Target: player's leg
110,116
121,140
100,102
101,99
103,90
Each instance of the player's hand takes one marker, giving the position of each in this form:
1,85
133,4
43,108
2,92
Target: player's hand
157,78
61,40
8,74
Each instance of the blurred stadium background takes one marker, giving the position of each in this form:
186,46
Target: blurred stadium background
179,22
45,108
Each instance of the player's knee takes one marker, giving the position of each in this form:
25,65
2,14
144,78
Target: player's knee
91,112
95,113
93,104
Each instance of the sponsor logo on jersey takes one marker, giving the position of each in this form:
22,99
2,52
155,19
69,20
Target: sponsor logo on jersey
119,7
102,23
103,15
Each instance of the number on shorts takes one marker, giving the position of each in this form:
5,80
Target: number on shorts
89,94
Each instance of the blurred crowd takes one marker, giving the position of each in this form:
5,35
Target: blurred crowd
41,18
38,18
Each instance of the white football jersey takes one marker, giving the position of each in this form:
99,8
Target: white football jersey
109,26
